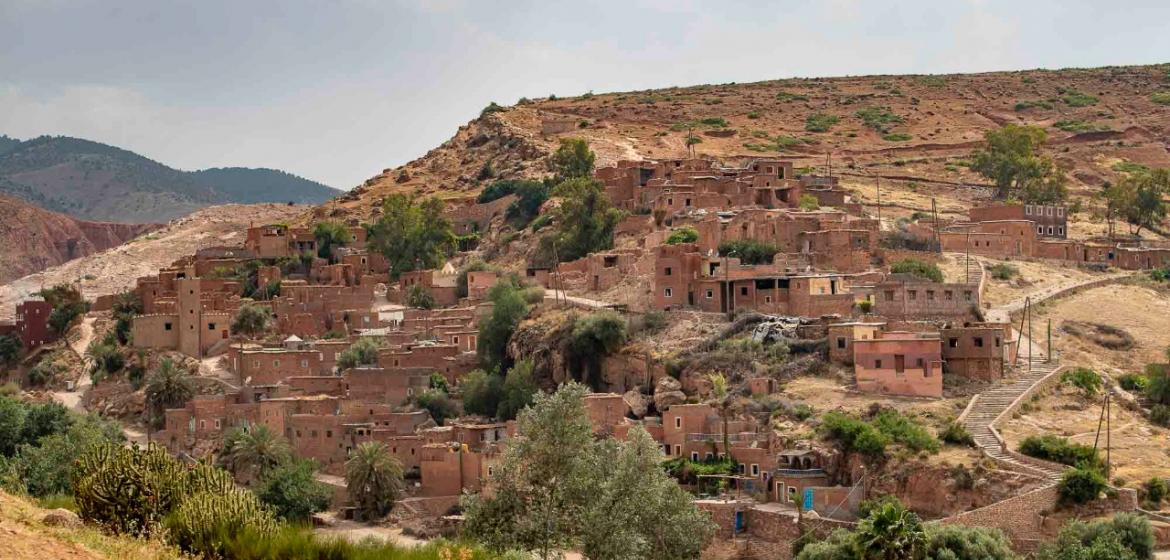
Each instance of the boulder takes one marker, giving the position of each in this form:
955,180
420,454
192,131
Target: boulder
666,385
637,402
666,399
61,518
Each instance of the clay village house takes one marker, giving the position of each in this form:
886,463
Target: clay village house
31,326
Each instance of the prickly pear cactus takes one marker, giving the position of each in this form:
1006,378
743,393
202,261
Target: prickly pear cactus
127,489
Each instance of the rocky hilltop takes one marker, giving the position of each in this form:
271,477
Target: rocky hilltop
914,131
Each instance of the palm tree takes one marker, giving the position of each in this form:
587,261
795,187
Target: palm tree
167,387
373,478
721,398
250,452
891,532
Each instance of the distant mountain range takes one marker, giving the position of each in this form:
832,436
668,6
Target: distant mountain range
96,181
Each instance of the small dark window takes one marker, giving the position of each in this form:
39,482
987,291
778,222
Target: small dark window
841,342
979,342
166,326
211,326
877,364
667,272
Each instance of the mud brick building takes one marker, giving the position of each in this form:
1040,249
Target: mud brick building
32,324
899,363
277,240
686,277
1049,221
841,337
904,296
978,350
193,326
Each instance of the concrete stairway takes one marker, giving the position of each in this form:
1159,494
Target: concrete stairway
994,402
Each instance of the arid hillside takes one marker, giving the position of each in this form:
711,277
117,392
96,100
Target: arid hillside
34,239
116,269
916,132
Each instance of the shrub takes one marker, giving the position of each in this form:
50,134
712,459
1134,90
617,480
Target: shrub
956,434
865,306
921,269
684,234
251,320
1081,485
1133,382
482,392
419,297
879,118
518,390
593,337
1060,450
1074,98
438,404
808,203
905,431
820,122
1161,98
1003,271
786,96
1087,380
363,352
1155,490
1158,387
1160,415
654,320
854,435
1124,537
491,108
509,308
1075,126
748,251
896,137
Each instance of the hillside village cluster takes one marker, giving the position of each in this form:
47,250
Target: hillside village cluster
901,334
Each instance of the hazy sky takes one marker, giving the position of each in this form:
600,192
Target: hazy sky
337,91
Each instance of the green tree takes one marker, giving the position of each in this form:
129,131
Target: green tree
1081,485
330,236
10,347
508,309
251,320
363,352
419,297
12,417
518,390
1011,157
956,542
373,479
1141,198
293,492
595,336
482,392
722,400
61,295
1124,537
412,234
573,159
638,511
530,196
438,404
46,468
167,387
62,317
585,220
891,532
44,419
250,452
544,481
685,234
808,203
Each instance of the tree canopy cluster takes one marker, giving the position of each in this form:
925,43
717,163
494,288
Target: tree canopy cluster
1010,156
413,234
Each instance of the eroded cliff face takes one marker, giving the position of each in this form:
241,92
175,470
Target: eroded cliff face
33,239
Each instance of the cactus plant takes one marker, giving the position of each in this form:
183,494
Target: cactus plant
205,520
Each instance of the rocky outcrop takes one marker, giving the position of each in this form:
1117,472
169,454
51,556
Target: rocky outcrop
668,392
35,239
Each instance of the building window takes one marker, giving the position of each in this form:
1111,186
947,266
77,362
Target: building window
997,342
1048,210
791,493
1028,210
328,433
211,326
678,422
841,342
1060,230
767,299
304,364
710,294
275,363
930,295
667,271
953,342
668,293
1040,230
967,295
948,295
889,295
678,449
1049,230
920,363
979,342
695,456
877,364
755,470
743,291
912,294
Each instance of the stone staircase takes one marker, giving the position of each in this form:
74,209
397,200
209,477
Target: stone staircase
993,403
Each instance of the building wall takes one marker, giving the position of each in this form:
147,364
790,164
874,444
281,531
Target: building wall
901,300
899,365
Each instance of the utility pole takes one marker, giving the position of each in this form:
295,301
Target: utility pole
1048,352
937,233
1029,335
879,201
829,163
968,264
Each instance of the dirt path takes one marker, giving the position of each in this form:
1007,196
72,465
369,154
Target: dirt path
72,399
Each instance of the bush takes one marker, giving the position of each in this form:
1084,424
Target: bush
481,392
896,137
509,308
808,203
251,320
1003,271
685,234
1134,382
593,337
905,431
955,434
363,352
1060,450
517,391
1084,379
748,251
419,297
491,108
865,306
438,404
1161,98
1155,490
1124,537
1158,389
293,492
654,320
1160,415
1074,98
820,122
879,118
1081,485
854,435
921,269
